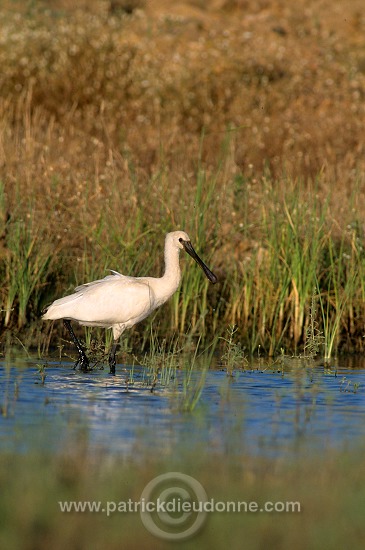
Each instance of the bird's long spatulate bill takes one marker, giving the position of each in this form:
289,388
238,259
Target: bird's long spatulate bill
190,250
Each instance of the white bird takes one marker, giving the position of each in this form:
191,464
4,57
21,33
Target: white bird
119,302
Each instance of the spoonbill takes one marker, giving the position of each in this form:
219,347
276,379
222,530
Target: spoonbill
119,302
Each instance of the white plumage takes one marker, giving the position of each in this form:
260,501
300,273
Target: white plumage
119,302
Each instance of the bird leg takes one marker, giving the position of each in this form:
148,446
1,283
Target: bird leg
82,361
112,360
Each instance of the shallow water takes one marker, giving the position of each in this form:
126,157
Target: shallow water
265,409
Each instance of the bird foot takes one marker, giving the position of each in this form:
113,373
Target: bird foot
82,363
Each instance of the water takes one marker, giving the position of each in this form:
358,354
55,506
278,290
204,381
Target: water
264,410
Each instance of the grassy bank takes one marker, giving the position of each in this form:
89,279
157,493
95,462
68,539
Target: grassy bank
253,145
302,267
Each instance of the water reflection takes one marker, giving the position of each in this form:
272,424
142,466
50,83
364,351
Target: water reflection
267,409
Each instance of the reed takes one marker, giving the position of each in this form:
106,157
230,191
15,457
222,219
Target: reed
341,283
193,382
266,292
161,362
314,338
271,293
27,264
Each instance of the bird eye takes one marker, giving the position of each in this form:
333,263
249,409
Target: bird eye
181,240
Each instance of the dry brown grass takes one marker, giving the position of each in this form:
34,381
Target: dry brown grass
81,88
289,78
90,84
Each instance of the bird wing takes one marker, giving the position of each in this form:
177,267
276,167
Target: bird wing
112,277
115,299
119,300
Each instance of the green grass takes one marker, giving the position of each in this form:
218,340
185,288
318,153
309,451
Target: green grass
270,296
26,266
266,293
343,281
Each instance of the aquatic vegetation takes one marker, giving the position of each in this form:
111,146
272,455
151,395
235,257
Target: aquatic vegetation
161,361
42,373
347,386
233,356
193,383
313,336
8,396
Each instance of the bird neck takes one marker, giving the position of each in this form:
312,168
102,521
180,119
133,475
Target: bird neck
165,286
172,273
